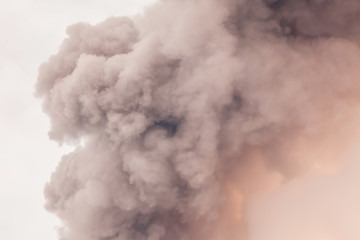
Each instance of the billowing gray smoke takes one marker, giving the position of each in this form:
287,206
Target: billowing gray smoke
188,111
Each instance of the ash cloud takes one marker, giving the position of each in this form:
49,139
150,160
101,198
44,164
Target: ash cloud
190,110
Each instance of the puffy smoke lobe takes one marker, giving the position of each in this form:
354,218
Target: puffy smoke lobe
190,110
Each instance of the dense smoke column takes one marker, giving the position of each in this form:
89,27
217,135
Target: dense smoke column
193,108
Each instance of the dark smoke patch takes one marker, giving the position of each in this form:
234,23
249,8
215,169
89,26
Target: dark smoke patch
170,127
275,5
307,19
317,18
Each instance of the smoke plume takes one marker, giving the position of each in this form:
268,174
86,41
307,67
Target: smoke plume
188,111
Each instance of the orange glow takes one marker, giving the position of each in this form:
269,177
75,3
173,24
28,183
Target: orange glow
235,201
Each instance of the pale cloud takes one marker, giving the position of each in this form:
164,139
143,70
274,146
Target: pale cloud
31,30
194,109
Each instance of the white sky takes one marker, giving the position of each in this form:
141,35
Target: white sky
32,30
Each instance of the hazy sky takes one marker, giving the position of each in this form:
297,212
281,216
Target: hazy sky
32,30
